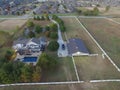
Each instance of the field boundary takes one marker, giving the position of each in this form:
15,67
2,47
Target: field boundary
112,20
98,45
60,83
75,69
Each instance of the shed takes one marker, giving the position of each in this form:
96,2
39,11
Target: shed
76,47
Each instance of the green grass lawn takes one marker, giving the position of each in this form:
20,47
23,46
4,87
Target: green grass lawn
107,34
64,71
95,68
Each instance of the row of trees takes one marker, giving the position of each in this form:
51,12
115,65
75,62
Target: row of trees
93,12
14,72
60,22
50,30
42,17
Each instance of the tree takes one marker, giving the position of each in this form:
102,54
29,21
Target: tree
62,28
36,76
10,72
37,18
30,23
95,11
47,16
34,13
79,11
26,73
47,28
38,29
53,35
9,54
60,22
31,34
24,12
18,13
42,17
54,27
53,46
46,62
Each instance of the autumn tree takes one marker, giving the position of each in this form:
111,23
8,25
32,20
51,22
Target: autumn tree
36,76
46,62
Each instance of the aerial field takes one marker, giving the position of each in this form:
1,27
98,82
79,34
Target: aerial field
113,11
74,29
95,68
83,86
11,25
89,68
107,34
64,72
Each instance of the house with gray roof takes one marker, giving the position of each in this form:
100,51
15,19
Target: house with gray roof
33,45
76,47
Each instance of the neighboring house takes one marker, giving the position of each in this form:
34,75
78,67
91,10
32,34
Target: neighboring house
76,47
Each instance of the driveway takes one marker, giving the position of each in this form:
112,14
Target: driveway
61,52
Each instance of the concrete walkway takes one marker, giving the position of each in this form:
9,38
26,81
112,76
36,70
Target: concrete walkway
61,52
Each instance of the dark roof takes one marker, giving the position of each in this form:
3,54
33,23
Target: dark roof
76,45
20,41
43,39
35,40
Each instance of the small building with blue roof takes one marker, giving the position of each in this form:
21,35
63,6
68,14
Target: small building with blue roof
76,47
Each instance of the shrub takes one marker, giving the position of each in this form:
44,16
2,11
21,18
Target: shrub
54,35
30,24
53,46
46,62
38,29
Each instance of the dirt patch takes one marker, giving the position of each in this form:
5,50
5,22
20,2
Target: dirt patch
42,23
11,25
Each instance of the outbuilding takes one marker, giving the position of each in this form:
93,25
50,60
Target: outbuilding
76,47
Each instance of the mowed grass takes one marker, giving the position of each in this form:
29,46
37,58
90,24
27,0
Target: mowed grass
75,30
95,68
64,72
107,34
83,86
11,26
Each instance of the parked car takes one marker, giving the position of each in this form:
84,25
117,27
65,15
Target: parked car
63,46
